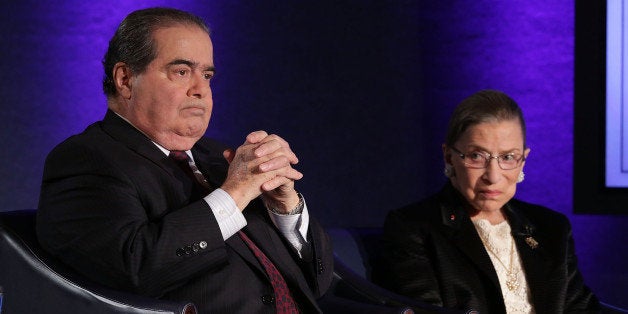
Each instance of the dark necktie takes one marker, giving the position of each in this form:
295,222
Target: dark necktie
201,186
283,300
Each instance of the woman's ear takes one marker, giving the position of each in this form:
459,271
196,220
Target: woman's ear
526,152
122,79
446,154
449,168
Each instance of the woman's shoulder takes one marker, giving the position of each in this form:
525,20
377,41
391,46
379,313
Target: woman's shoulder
533,208
537,214
424,211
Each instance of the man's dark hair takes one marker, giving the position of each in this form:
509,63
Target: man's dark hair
133,41
483,106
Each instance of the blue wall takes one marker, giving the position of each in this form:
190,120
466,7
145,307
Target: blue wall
361,89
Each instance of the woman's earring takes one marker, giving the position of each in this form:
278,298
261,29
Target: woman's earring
449,171
521,177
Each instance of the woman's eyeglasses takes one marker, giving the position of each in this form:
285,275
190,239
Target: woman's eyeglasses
480,160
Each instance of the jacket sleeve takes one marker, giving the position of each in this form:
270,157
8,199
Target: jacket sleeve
321,263
124,226
579,298
406,266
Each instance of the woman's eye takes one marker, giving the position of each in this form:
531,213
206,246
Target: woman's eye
508,157
476,156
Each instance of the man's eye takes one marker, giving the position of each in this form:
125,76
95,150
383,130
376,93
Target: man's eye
182,72
208,76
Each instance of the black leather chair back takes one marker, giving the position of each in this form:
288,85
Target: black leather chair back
32,281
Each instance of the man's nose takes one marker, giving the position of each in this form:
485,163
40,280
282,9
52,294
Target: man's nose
199,87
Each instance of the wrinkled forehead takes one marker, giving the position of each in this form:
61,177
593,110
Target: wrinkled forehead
184,42
498,135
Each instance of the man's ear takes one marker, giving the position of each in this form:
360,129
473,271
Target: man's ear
122,79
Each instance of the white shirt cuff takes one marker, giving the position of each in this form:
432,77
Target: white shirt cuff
229,217
293,227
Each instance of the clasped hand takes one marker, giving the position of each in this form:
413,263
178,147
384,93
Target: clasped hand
262,166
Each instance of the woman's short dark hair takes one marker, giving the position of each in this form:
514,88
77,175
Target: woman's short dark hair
133,41
483,106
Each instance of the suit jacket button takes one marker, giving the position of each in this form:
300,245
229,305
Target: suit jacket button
268,299
321,268
188,250
202,245
196,247
180,252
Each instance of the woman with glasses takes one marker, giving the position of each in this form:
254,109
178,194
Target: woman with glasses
472,246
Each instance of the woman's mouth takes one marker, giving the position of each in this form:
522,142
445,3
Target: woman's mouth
490,193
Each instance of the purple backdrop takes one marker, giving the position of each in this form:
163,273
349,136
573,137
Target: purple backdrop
361,89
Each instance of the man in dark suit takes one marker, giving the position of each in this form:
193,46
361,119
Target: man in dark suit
200,225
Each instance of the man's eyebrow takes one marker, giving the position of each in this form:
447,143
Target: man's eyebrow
182,61
190,64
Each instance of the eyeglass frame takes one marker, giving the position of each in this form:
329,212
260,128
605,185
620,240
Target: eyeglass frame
487,159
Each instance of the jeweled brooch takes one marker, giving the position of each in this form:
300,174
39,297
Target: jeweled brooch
532,242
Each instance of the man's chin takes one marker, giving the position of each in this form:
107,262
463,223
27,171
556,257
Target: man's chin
196,134
181,140
195,128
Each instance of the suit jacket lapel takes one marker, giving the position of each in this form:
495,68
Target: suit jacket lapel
270,242
135,140
531,251
238,245
266,241
212,164
463,234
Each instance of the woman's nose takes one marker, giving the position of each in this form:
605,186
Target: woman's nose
492,172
